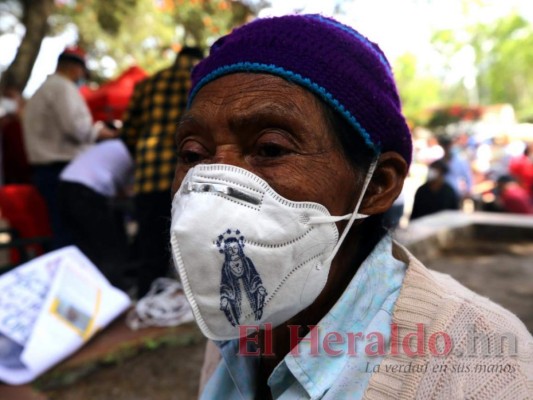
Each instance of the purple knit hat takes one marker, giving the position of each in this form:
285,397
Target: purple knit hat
333,61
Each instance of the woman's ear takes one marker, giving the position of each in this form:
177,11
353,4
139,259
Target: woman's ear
386,184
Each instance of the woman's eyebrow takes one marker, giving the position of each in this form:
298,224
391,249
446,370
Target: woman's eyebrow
185,119
256,115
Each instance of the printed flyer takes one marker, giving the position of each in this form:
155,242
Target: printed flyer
50,307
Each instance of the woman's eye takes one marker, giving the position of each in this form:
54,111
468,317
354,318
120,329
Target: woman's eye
191,152
189,157
272,150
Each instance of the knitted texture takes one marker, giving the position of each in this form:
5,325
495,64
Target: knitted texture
333,61
442,304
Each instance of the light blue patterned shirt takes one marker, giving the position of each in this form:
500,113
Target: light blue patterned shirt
365,307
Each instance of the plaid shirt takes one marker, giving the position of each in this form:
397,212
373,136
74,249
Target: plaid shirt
151,121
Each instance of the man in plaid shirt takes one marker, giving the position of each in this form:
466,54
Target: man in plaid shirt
149,127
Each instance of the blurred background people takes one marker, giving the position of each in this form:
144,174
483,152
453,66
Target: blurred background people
511,197
459,173
521,168
57,126
87,188
149,127
436,194
432,151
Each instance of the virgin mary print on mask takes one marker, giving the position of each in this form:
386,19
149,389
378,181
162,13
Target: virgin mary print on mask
238,274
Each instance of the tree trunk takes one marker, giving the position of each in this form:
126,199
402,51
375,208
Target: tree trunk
35,19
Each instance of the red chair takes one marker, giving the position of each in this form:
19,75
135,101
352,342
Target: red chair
29,233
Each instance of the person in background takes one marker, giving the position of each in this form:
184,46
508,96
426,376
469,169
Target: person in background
57,126
149,127
15,167
88,185
521,168
459,175
431,152
436,194
511,197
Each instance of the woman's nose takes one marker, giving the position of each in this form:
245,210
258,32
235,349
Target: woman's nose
230,155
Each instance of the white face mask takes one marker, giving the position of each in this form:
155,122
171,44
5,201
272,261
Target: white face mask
433,174
8,106
246,255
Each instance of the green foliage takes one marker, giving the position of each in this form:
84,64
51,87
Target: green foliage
205,20
110,14
147,32
127,31
10,13
503,57
418,89
507,76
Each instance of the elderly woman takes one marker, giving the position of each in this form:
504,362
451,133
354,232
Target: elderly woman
293,147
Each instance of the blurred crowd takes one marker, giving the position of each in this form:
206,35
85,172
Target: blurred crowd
494,174
105,185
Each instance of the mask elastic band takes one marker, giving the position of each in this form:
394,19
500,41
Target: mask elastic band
355,214
328,220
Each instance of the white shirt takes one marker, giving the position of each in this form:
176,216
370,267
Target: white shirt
105,167
57,122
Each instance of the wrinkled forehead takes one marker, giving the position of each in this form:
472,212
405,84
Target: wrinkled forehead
254,91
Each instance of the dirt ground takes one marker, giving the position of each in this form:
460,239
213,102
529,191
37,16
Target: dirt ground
166,373
502,272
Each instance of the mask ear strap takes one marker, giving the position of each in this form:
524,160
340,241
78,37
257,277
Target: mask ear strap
355,214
